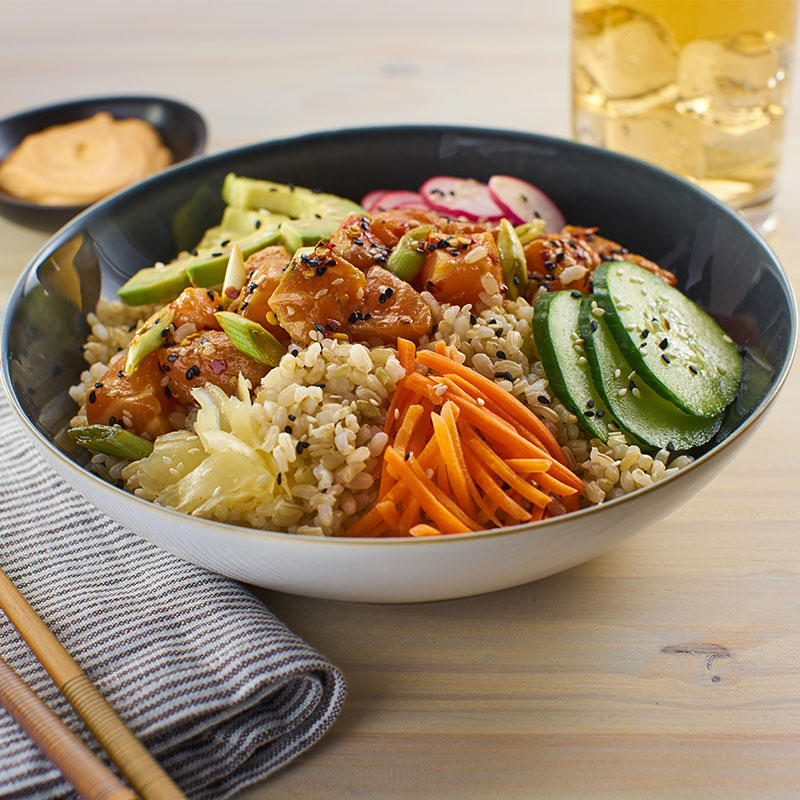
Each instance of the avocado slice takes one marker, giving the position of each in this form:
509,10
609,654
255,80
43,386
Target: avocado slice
308,231
205,268
296,201
151,284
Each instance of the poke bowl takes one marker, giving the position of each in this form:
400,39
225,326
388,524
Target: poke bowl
443,395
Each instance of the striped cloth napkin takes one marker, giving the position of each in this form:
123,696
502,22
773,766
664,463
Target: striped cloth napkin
216,687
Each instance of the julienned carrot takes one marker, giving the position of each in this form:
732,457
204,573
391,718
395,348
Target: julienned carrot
551,484
389,514
492,490
422,489
425,530
451,462
410,515
507,401
442,497
527,466
407,425
494,463
514,436
441,348
407,353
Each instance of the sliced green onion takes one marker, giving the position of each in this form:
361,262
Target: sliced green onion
529,231
512,259
405,260
235,275
112,440
148,339
250,338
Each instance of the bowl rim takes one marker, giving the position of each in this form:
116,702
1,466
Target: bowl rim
198,123
68,230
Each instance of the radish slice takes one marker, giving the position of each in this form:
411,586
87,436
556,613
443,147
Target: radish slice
522,202
370,199
399,199
459,197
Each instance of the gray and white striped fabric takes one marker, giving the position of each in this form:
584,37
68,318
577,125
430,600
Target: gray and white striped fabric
217,688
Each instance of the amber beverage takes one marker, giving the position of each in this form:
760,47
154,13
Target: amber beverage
698,87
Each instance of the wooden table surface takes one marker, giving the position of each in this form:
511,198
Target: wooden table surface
670,667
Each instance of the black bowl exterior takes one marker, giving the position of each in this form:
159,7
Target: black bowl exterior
718,259
182,129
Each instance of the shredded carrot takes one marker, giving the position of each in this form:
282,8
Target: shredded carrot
425,530
504,399
405,431
424,491
528,465
463,454
407,352
389,513
452,461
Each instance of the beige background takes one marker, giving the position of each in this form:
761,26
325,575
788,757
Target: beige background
669,667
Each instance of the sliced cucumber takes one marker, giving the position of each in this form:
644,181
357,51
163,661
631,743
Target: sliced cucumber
555,330
642,412
676,348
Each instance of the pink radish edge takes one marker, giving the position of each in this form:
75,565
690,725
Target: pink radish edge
460,197
522,201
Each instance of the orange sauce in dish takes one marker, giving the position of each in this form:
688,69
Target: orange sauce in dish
80,162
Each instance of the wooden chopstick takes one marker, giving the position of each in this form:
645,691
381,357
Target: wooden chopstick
137,765
90,777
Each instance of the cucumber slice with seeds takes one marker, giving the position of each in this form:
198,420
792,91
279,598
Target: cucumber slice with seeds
555,330
654,421
675,346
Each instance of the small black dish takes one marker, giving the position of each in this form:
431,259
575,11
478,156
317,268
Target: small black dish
181,127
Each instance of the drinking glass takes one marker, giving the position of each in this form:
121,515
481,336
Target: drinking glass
698,87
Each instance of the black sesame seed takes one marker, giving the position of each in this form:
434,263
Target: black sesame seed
501,354
599,413
665,358
279,479
473,319
515,279
193,252
645,333
589,413
353,317
329,328
321,386
693,370
590,403
389,291
593,325
192,372
132,327
499,331
631,385
407,456
430,285
216,254
112,420
225,243
381,298
167,392
299,448
505,487
358,241
295,352
543,399
663,344
670,447
317,327
331,262
576,294
367,317
292,417
560,256
549,265
172,357
92,396
288,429
258,224
210,294
121,374
165,367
